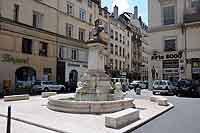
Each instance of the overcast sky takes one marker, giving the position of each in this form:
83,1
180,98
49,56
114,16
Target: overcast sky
128,5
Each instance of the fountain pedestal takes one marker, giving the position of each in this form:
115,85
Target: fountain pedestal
95,84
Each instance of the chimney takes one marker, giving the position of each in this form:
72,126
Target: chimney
136,12
115,12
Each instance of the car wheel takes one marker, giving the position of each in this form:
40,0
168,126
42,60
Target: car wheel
46,89
62,89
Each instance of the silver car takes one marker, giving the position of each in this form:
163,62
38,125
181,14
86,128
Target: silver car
163,87
40,86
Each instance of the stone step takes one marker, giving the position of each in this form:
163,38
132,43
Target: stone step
162,101
16,97
122,118
48,94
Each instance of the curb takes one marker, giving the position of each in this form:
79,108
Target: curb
171,106
34,124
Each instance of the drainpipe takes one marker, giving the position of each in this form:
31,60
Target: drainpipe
185,42
185,39
57,32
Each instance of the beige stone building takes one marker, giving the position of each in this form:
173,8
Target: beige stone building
44,38
125,46
174,36
28,48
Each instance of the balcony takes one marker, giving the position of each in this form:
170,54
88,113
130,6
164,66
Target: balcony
192,15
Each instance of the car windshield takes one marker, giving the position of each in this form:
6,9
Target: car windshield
49,83
185,83
156,83
162,83
37,83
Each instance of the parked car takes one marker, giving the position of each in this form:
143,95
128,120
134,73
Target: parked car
115,80
163,87
40,86
138,84
187,87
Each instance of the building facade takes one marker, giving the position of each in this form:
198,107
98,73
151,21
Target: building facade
125,46
27,52
174,37
44,39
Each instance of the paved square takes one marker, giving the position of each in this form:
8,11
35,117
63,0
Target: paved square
34,111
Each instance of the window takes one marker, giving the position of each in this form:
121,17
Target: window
90,3
170,45
116,35
69,8
120,65
111,33
169,15
123,52
111,48
81,34
120,51
37,19
82,14
90,35
74,55
90,18
116,64
43,49
120,37
69,30
61,52
100,11
26,46
123,39
111,63
116,50
195,3
16,12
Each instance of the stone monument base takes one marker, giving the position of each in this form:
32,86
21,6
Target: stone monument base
94,86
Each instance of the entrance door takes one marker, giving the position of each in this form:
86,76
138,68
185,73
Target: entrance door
60,76
73,76
73,79
25,76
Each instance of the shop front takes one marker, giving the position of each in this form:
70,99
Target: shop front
22,70
167,65
196,68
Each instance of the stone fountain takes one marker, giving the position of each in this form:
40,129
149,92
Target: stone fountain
94,93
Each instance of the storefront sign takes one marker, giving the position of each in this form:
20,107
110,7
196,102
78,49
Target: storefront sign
195,70
15,60
167,56
196,67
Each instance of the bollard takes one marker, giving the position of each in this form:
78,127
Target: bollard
9,120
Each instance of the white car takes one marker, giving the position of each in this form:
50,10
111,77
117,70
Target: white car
163,87
40,86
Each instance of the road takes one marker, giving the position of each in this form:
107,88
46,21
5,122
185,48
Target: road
183,118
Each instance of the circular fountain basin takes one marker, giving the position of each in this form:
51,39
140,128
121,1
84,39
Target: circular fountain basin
66,103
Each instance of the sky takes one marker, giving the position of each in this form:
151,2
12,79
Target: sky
128,5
